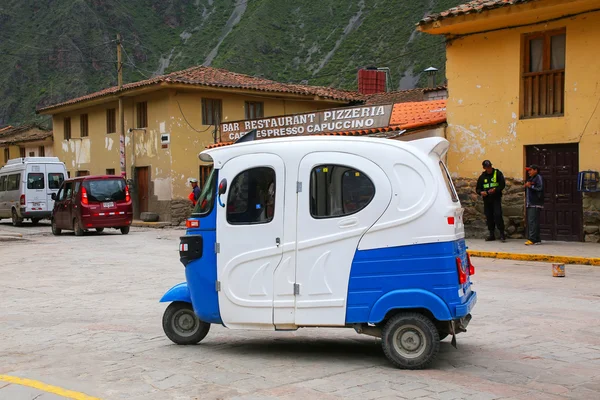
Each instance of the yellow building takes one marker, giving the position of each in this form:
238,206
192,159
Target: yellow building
524,87
168,120
24,141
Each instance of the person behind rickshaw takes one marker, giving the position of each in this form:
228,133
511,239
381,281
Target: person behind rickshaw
195,194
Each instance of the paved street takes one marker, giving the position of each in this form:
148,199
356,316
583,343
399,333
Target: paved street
82,314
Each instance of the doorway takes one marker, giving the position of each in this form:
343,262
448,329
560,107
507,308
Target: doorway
142,180
562,216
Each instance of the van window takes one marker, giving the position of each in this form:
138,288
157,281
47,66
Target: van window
337,191
449,184
105,190
35,181
251,199
2,183
13,182
66,192
55,180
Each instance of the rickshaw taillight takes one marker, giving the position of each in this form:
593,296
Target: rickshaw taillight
84,198
450,220
471,266
127,196
192,223
462,274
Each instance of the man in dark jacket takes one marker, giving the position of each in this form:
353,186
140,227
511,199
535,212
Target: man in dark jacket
534,188
490,186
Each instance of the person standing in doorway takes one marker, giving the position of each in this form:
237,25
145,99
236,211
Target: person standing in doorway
534,188
490,185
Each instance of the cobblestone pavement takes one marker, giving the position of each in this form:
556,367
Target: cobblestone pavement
83,314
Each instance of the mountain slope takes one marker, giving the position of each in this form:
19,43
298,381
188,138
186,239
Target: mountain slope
52,50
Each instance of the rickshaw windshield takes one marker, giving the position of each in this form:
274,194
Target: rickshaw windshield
207,196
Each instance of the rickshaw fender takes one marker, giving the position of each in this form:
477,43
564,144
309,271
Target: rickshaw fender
178,292
409,299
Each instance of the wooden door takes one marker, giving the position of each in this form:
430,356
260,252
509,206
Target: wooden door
142,181
562,216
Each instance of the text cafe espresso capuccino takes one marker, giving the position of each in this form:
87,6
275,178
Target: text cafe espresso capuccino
336,120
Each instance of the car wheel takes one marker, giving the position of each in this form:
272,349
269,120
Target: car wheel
77,228
125,230
99,230
16,220
410,341
182,325
35,221
55,231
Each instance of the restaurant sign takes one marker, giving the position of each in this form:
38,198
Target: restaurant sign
335,120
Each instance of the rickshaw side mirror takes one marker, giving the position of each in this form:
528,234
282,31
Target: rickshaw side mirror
222,187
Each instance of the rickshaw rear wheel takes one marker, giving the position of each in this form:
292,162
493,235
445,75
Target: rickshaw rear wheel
410,340
182,325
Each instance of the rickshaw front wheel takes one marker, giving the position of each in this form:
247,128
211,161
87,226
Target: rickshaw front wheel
410,340
182,325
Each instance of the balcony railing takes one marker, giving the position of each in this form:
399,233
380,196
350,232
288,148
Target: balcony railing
543,94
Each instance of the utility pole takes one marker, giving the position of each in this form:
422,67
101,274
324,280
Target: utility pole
121,111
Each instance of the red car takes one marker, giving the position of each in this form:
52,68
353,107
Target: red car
92,202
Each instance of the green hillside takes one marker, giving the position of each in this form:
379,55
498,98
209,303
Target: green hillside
52,50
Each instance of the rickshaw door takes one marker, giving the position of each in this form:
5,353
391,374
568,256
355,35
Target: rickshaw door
342,196
249,238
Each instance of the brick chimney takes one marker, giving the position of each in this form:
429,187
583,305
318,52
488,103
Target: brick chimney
372,80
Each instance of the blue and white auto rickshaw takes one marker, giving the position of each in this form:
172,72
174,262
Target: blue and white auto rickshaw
327,231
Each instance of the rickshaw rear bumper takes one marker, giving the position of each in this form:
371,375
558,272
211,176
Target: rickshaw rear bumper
179,292
464,309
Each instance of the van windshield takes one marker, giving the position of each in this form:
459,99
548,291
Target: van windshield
105,190
207,196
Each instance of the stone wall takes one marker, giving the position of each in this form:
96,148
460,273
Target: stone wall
591,217
181,209
513,208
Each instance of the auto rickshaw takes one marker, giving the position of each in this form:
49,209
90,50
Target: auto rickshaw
361,233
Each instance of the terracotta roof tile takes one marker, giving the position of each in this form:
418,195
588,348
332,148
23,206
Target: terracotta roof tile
221,78
475,6
404,116
5,129
22,134
400,96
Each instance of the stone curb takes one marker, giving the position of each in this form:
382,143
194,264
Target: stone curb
142,224
10,235
537,257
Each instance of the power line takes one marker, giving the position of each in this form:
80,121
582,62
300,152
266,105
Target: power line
45,51
190,125
132,63
39,58
589,120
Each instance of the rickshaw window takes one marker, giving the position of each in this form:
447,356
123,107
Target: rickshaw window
205,202
251,198
448,181
339,191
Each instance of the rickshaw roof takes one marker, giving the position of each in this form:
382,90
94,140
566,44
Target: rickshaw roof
309,144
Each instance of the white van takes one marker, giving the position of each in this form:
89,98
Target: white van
26,188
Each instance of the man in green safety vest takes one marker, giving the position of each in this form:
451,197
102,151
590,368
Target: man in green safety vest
490,186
